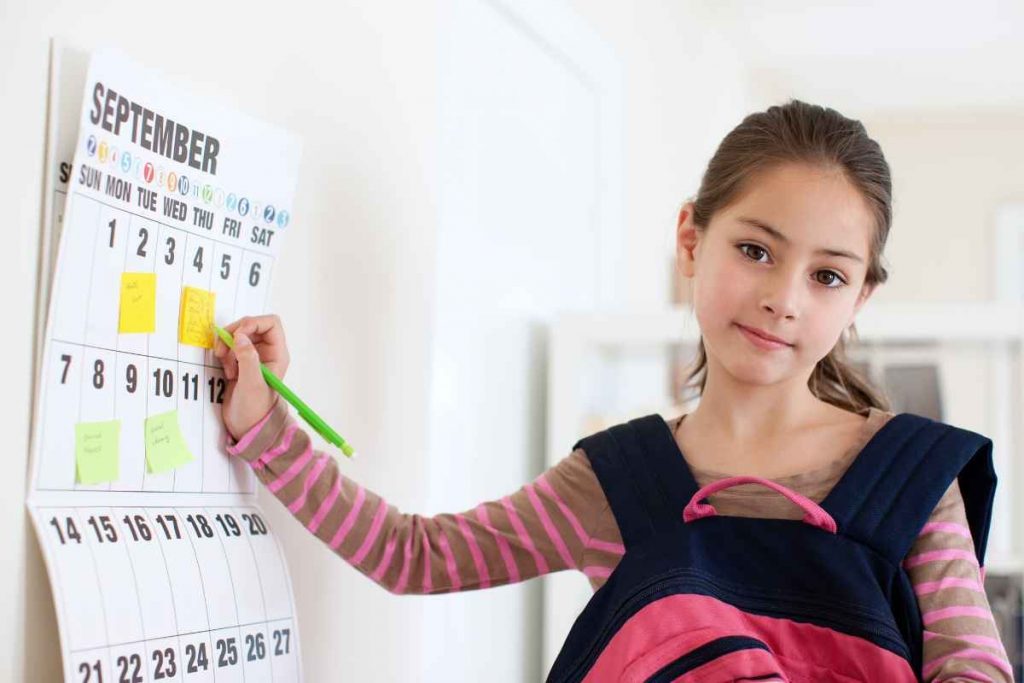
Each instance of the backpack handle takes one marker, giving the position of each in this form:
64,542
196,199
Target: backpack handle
814,514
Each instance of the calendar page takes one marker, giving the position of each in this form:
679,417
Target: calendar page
161,564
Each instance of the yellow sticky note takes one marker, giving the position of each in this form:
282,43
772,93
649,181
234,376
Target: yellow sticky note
195,321
165,446
138,302
96,449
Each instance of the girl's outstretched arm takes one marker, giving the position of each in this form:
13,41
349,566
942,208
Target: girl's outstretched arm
960,638
540,528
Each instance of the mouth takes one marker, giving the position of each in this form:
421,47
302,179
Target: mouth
761,341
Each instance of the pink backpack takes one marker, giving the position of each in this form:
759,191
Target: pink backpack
704,597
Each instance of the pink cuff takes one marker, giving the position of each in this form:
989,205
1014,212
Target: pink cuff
235,448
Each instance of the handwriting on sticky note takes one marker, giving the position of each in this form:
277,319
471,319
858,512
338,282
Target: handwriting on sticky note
138,303
165,446
96,451
195,322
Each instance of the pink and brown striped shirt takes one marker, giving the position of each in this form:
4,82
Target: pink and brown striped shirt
562,520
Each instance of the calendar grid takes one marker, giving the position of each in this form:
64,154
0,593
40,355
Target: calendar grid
234,595
202,429
266,622
180,639
149,411
202,588
99,588
151,492
105,213
124,263
135,585
170,587
85,331
259,579
58,588
155,219
181,579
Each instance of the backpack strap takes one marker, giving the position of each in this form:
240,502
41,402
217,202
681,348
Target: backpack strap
643,474
887,495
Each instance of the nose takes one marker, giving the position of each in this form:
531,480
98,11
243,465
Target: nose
783,293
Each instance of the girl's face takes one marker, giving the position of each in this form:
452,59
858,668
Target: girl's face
773,277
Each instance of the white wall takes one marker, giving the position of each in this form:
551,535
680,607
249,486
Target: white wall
358,86
359,82
528,220
683,89
951,168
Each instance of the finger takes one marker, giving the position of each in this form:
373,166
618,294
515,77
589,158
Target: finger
270,344
242,325
230,364
250,377
233,326
229,391
257,326
273,356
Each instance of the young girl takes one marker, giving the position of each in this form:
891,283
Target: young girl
783,244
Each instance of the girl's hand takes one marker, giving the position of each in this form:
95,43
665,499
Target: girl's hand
247,397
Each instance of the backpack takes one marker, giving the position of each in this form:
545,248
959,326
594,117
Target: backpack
699,596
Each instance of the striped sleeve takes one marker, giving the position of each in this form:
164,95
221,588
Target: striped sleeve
540,528
961,642
605,548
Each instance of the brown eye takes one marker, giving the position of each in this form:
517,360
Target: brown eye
835,279
742,248
836,283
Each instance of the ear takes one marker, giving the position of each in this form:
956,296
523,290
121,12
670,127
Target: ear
687,241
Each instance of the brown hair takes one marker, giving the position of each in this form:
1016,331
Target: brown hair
804,133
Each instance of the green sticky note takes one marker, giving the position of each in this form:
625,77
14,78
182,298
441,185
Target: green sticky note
165,445
96,447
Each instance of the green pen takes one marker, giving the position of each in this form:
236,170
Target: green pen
305,412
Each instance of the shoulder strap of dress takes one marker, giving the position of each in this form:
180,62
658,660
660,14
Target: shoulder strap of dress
643,475
887,495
